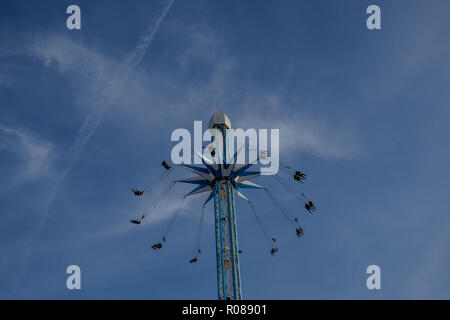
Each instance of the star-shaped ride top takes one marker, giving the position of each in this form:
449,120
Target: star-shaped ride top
213,170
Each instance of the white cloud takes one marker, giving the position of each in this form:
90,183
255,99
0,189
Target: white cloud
300,132
105,78
36,155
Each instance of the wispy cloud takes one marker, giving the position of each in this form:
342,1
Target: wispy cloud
248,104
68,56
107,78
299,130
34,155
111,92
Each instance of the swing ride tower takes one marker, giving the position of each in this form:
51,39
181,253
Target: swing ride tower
228,273
223,173
224,179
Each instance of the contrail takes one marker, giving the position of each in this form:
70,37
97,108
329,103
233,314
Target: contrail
108,96
95,116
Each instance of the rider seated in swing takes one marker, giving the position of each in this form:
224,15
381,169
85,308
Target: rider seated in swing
137,192
157,246
193,260
273,251
138,221
166,165
299,176
299,231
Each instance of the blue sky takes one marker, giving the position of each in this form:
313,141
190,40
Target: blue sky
363,113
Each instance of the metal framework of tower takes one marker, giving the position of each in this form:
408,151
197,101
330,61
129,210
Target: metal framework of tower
223,180
228,272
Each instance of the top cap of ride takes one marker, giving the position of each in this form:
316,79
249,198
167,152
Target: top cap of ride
219,118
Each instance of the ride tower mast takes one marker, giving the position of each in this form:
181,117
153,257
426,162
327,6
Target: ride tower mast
223,178
227,253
